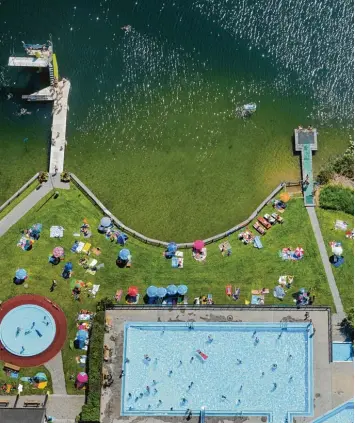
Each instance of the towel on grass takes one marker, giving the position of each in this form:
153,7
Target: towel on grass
257,299
80,247
94,290
177,263
56,232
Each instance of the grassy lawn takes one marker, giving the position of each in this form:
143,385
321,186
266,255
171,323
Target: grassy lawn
344,275
17,200
247,267
27,388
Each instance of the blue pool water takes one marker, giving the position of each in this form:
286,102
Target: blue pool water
248,386
27,330
342,414
343,351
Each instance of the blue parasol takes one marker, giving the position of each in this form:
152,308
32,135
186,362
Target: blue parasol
182,289
161,292
152,291
124,254
40,376
68,266
20,274
172,247
172,289
82,334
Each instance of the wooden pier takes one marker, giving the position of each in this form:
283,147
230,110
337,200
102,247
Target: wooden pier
306,142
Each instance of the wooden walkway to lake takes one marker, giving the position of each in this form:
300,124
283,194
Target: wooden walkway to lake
59,126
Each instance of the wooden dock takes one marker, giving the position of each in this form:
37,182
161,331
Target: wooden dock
59,126
306,142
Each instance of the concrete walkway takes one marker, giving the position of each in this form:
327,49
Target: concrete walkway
325,259
64,408
30,201
55,367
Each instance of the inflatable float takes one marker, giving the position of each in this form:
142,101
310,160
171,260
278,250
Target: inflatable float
202,355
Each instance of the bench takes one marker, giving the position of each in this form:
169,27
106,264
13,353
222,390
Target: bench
11,367
32,403
4,403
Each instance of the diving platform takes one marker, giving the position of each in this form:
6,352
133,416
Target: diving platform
28,62
306,142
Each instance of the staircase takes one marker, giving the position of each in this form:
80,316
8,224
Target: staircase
51,73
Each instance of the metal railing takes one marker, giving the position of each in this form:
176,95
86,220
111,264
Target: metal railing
19,192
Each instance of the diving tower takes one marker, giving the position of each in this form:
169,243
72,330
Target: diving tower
42,56
306,142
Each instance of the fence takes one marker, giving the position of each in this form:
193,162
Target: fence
19,192
159,243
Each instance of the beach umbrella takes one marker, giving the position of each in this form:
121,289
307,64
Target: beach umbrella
182,289
285,196
21,274
299,252
198,245
152,291
40,377
105,222
171,289
82,377
124,254
37,227
171,248
58,252
132,291
337,250
161,292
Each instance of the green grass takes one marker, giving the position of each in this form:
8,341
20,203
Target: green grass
247,267
344,275
27,388
17,200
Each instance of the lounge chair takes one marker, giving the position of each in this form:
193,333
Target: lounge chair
229,290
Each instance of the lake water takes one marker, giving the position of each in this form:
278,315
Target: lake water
152,126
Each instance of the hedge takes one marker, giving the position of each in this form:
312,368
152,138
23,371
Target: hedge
91,410
334,197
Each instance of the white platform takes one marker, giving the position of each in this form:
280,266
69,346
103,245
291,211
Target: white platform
30,62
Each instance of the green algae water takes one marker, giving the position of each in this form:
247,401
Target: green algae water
152,128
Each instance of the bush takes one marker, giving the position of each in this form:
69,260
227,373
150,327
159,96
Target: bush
348,325
344,165
324,176
43,177
65,177
91,410
337,198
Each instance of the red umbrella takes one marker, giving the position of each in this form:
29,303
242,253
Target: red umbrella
198,245
299,252
58,252
82,377
132,291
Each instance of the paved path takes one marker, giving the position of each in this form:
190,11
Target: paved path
325,259
64,408
55,366
30,201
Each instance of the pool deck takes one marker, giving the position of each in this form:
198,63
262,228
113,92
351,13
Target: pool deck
333,382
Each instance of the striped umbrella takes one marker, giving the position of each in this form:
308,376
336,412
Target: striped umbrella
299,252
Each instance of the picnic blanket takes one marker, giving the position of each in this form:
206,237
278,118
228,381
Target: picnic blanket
257,242
84,317
260,291
340,224
86,248
56,232
94,290
179,254
257,299
80,247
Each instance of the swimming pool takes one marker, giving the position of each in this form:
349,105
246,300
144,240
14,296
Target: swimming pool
27,330
237,378
342,414
343,351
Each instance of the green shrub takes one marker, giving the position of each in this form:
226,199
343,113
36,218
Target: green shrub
324,176
344,165
91,410
348,325
337,198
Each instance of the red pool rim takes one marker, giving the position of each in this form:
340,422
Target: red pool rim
60,335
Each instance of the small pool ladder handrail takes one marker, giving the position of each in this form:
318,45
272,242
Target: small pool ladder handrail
202,414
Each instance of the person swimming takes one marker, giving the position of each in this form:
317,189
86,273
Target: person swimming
22,350
18,330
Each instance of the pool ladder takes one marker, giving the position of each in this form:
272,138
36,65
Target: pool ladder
283,325
190,325
202,414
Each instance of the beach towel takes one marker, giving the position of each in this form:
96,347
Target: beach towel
260,291
76,235
229,290
86,248
257,242
257,299
91,271
80,247
92,263
118,295
74,247
94,290
84,317
56,232
96,251
177,263
339,224
179,254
